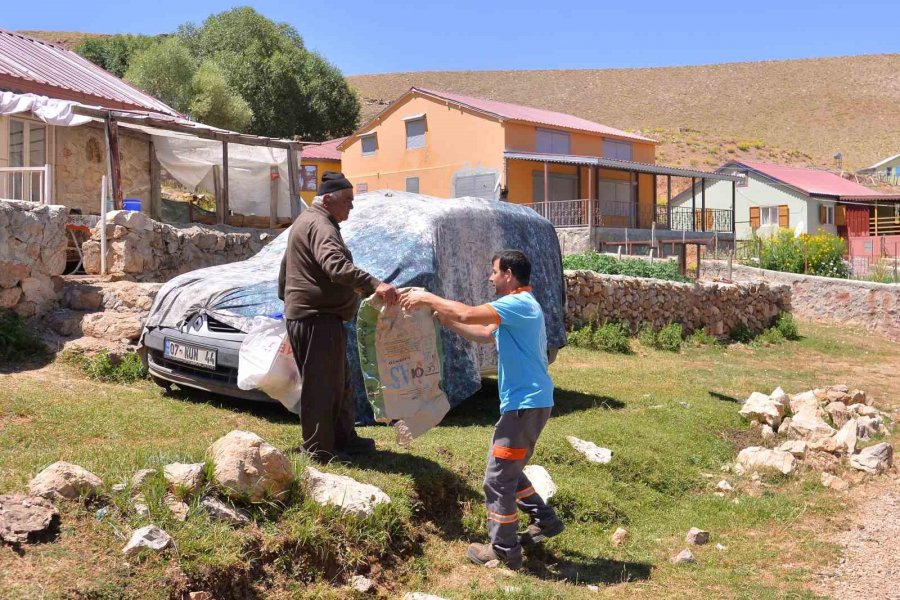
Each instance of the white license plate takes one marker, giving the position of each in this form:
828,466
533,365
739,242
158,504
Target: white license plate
188,353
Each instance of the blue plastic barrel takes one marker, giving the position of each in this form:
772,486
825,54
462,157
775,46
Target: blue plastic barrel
132,204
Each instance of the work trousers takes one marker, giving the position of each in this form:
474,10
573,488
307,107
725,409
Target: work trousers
327,409
505,485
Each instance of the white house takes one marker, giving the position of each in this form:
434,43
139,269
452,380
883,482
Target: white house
776,196
887,170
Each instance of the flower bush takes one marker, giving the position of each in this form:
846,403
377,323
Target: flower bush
819,254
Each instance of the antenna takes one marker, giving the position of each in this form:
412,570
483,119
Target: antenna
839,160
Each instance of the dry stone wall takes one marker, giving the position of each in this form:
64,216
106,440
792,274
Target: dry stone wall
872,306
141,249
716,307
32,256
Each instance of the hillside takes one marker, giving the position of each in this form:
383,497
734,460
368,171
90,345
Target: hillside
792,111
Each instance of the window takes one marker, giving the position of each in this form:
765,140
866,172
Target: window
415,133
369,144
768,215
362,188
616,149
549,141
826,214
27,148
561,186
745,179
412,185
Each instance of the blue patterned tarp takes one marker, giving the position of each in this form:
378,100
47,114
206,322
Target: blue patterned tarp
407,239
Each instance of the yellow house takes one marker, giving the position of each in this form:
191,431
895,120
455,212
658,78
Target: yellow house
315,160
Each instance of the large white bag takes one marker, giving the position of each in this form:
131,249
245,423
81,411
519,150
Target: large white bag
266,362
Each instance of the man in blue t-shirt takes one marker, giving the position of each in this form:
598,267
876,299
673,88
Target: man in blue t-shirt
515,322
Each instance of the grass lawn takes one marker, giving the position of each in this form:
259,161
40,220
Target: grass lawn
670,419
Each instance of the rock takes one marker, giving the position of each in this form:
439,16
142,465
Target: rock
492,564
361,584
112,326
724,486
863,410
805,400
27,519
64,480
697,537
420,596
808,424
869,427
200,596
683,557
766,432
874,459
764,409
822,461
178,508
859,397
139,503
137,480
593,588
721,548
619,536
151,537
838,412
349,495
541,481
249,467
844,440
222,512
756,457
796,447
591,451
785,426
833,482
119,487
185,478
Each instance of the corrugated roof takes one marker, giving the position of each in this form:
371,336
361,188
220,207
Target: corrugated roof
810,181
324,151
882,162
527,114
40,63
615,163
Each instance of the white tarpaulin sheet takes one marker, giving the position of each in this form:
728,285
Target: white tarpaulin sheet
48,110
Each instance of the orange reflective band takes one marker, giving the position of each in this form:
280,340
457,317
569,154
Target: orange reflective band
496,314
508,453
503,519
524,288
524,493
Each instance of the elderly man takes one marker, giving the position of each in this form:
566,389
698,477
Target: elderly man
320,287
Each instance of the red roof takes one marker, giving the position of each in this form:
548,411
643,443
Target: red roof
810,181
527,114
324,151
36,66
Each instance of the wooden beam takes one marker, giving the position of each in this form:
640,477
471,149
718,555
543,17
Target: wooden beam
546,182
224,204
115,170
693,204
273,196
293,184
733,203
702,209
217,191
669,199
155,186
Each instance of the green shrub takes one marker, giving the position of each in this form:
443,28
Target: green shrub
635,267
787,326
17,342
820,254
669,337
769,337
647,336
581,338
108,368
612,337
701,338
742,333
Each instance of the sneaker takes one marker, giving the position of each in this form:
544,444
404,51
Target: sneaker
359,445
481,554
535,534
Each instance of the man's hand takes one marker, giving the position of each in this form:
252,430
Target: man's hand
387,292
413,299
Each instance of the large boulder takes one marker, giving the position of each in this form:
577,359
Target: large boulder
759,458
349,495
26,519
874,459
805,400
838,413
808,424
767,410
64,480
249,468
113,326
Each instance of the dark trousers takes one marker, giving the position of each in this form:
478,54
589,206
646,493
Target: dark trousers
506,488
327,409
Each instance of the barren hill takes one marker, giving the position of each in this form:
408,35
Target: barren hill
796,111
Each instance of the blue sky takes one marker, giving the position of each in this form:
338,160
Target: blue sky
389,36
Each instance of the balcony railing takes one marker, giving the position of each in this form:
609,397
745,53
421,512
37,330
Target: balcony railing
884,225
613,213
26,183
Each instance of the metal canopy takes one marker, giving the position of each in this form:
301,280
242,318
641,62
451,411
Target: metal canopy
618,164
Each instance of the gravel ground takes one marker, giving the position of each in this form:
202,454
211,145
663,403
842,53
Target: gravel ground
870,565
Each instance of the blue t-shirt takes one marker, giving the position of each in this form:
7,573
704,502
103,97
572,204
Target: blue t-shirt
522,352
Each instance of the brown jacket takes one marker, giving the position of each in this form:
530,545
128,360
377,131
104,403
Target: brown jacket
317,272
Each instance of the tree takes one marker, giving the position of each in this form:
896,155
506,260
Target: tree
290,90
114,52
214,103
165,70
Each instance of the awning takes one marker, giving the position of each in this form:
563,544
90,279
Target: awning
619,165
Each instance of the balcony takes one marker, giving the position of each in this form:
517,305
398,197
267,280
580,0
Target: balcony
32,184
626,215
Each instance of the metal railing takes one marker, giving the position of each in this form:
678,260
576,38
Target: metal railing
686,219
577,213
32,184
885,225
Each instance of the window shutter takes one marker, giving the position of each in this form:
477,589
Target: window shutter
754,217
783,216
823,214
840,216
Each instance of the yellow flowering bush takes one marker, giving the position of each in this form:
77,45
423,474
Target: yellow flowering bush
819,254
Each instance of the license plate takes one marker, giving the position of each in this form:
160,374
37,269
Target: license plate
188,353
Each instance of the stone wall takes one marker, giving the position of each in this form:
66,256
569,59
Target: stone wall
32,256
716,307
141,249
872,306
81,163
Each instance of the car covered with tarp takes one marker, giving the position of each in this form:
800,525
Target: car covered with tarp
194,331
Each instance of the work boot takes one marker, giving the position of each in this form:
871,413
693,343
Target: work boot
325,458
537,533
359,445
481,554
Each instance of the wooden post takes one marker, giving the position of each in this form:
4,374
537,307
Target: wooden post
733,205
669,199
155,186
590,210
112,152
293,184
222,206
654,217
702,205
636,204
103,193
693,204
217,189
546,183
273,196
